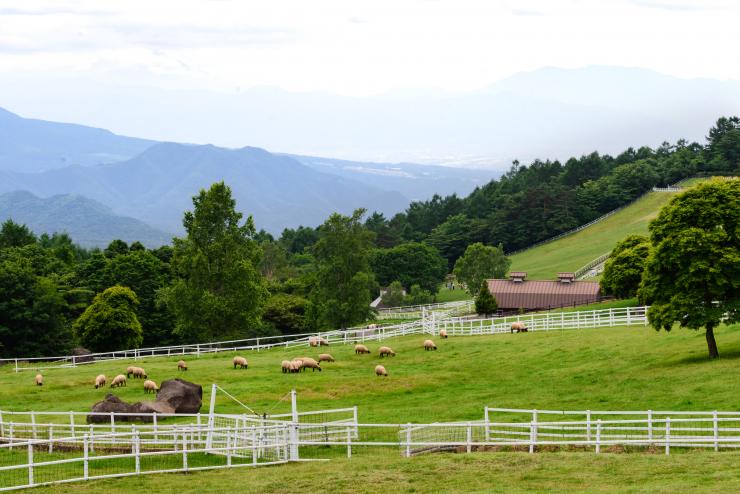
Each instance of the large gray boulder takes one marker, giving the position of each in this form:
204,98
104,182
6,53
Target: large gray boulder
174,396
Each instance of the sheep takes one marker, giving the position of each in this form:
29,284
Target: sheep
296,365
385,351
360,349
150,387
317,341
118,381
429,345
325,357
100,381
380,371
139,372
240,362
39,380
285,366
443,333
182,366
519,327
130,370
309,363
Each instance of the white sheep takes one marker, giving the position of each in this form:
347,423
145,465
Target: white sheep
285,366
380,371
325,357
39,380
519,327
130,370
360,349
150,386
100,381
118,381
182,366
309,363
296,365
317,341
240,362
429,345
443,333
385,351
139,372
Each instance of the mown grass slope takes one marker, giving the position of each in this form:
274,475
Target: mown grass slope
574,251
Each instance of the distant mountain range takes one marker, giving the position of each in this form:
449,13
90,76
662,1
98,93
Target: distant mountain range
88,222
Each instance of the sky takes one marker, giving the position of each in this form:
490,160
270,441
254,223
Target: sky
359,48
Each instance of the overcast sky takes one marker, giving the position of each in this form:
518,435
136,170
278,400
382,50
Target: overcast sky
359,47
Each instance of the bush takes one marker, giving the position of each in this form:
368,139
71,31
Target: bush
485,302
110,322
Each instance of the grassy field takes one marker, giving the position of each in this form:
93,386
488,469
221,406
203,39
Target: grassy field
619,368
450,473
447,295
574,251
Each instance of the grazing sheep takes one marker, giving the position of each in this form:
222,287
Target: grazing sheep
150,386
130,370
519,327
182,366
380,371
443,333
285,366
39,380
317,341
296,365
360,349
385,351
139,373
240,362
325,357
429,345
309,363
118,381
100,381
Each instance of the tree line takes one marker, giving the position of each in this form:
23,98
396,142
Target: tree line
225,279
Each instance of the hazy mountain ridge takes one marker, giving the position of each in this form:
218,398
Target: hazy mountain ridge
88,222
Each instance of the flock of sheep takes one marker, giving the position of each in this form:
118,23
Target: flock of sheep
288,366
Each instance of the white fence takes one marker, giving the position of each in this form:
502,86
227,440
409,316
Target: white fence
436,321
410,311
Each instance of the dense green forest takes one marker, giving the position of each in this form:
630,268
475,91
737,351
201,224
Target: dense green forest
225,279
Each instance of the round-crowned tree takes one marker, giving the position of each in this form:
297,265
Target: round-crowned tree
110,322
692,276
623,270
485,302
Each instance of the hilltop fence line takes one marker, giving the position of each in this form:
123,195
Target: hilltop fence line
231,441
624,316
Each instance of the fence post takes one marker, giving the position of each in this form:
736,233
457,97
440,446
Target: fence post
667,435
85,457
598,436
294,426
469,438
155,428
716,430
11,436
588,425
137,449
51,439
532,435
487,422
184,451
33,424
354,421
113,426
30,463
408,440
349,442
650,426
72,422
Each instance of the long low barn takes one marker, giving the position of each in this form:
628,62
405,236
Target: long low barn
516,293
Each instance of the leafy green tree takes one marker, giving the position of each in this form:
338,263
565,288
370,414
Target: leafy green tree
274,264
145,274
485,302
219,291
13,234
110,322
479,263
724,144
411,264
454,235
32,313
116,248
286,313
296,241
63,248
692,276
623,270
394,295
344,281
419,296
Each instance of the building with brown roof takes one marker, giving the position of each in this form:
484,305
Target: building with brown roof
517,293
